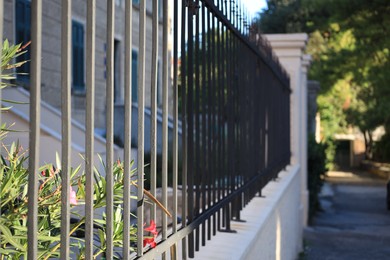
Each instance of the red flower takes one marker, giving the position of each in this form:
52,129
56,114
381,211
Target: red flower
151,240
152,228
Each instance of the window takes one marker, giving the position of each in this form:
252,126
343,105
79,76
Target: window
22,35
136,2
78,57
117,92
134,76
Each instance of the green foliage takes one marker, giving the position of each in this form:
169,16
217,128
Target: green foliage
13,220
290,16
8,55
316,170
349,43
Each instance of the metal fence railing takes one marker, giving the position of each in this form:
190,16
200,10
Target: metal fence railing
235,100
227,89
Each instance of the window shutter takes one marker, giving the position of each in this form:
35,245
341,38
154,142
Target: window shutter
78,56
134,76
22,35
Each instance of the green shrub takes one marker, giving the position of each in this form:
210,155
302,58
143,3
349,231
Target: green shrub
316,171
14,210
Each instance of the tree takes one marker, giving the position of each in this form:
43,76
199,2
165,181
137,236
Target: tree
349,42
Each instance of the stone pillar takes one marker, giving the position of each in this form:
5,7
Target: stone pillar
290,50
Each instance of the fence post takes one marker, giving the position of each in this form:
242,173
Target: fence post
90,123
35,116
66,19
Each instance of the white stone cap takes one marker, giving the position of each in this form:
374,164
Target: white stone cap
287,40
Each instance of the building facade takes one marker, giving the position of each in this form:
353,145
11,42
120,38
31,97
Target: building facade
17,29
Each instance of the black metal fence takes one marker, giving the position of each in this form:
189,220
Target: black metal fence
234,101
235,111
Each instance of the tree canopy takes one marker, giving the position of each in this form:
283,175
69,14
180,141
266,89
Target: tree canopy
349,43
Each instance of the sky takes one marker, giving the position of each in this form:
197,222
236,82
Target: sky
254,6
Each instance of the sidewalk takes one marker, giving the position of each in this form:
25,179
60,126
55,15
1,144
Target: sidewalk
355,223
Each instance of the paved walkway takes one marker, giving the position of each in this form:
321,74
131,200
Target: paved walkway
355,223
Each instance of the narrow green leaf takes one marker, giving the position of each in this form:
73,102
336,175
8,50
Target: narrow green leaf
7,236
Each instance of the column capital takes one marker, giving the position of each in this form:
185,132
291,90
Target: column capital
288,45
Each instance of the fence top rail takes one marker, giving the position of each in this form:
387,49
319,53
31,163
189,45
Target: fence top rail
255,42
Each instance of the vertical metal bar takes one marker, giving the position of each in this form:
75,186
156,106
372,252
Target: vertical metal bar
184,123
262,124
175,140
190,131
127,139
237,12
231,18
205,183
110,128
241,18
238,26
35,121
209,115
214,123
175,115
90,121
141,121
184,164
248,22
197,128
66,19
217,115
229,151
165,120
153,94
229,9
